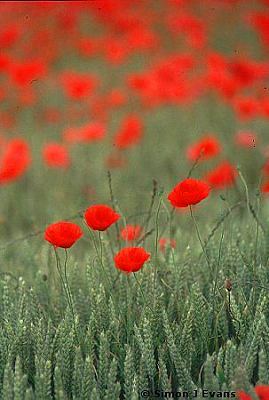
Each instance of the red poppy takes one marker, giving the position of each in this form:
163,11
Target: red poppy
78,86
87,46
188,192
265,188
261,390
246,139
131,259
131,232
222,176
63,234
24,73
246,107
165,242
265,168
100,217
116,98
243,396
130,132
56,155
91,132
205,148
15,160
116,50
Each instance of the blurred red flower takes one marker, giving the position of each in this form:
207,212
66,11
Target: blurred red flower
100,217
9,35
56,155
188,192
265,188
25,72
63,234
131,259
246,107
87,46
116,98
4,62
166,242
91,132
130,132
246,139
78,86
15,160
205,148
131,232
222,176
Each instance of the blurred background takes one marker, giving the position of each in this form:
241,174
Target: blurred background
146,89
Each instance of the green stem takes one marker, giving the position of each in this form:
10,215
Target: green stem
200,240
65,286
141,290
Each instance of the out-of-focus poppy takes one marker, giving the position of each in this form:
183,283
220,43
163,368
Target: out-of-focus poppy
130,133
90,132
131,232
56,155
247,140
262,391
204,149
15,160
164,243
78,86
222,176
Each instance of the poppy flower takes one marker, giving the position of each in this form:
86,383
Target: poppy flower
247,140
100,217
265,188
131,232
204,149
243,396
130,132
265,168
246,107
90,132
131,259
56,155
165,242
23,73
222,176
63,234
188,192
15,160
262,392
116,98
78,86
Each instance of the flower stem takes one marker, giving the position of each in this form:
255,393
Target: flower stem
200,240
65,285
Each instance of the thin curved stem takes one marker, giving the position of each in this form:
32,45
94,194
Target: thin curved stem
65,286
200,240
